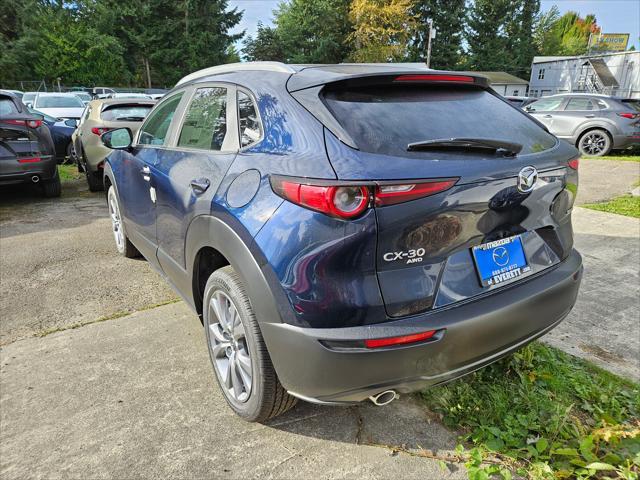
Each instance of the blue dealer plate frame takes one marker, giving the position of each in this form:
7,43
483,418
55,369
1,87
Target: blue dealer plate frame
500,261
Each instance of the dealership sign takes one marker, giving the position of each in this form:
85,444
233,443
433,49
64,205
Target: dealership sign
610,42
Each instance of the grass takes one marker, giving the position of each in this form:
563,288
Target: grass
622,158
545,415
625,205
69,172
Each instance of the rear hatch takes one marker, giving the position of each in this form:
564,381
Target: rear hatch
438,249
19,141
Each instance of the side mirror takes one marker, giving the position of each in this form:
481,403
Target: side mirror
29,104
71,122
529,108
118,139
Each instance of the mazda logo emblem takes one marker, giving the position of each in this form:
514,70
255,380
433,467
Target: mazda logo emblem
500,256
527,179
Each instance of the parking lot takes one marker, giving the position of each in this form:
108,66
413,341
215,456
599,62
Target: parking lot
104,373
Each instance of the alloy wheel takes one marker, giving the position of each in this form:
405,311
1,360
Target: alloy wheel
116,222
593,144
228,346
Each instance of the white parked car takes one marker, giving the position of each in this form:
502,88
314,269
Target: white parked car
60,105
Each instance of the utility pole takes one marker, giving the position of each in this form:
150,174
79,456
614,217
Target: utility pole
432,34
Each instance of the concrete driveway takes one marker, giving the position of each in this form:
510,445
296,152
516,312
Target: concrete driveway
135,396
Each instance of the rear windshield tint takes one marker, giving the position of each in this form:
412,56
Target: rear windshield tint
386,119
125,113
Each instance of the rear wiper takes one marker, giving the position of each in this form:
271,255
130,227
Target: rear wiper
133,119
508,149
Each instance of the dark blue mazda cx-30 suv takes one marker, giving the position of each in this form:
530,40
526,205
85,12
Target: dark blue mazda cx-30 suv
348,231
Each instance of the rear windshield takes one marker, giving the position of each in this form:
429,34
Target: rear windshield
125,113
7,107
58,101
386,119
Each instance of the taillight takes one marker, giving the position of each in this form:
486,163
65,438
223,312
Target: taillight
398,193
629,115
401,340
435,78
336,200
29,160
350,201
24,123
99,130
575,163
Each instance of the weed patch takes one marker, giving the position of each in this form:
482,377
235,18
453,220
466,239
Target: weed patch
545,415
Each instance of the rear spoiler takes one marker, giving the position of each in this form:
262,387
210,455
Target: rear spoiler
309,96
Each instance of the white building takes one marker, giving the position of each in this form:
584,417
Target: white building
506,84
615,74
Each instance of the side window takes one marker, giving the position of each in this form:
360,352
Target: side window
546,105
579,104
154,131
248,120
205,123
600,104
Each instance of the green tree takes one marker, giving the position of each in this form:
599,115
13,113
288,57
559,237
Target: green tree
520,29
382,30
313,31
564,35
487,37
448,20
265,46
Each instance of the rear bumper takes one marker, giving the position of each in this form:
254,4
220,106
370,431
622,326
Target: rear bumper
626,141
475,333
12,172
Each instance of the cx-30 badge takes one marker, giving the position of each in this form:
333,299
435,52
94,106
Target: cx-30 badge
527,179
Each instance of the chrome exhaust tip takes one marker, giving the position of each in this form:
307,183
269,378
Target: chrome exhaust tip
384,398
35,179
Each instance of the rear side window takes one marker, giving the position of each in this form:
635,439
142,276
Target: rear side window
205,123
249,122
7,107
125,113
579,104
386,119
546,105
155,129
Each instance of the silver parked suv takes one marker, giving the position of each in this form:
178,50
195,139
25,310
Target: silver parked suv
595,124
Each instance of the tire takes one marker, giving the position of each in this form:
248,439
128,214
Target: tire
69,155
259,397
123,244
94,180
52,188
595,143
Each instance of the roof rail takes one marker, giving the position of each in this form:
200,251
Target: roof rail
235,67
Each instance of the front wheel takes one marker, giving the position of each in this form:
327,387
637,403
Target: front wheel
595,143
123,245
238,353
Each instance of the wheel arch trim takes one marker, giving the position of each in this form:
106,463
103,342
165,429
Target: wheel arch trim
210,231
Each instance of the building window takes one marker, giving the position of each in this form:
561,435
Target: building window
516,93
541,74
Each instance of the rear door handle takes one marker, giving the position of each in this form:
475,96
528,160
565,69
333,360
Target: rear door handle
146,173
200,185
547,116
590,116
